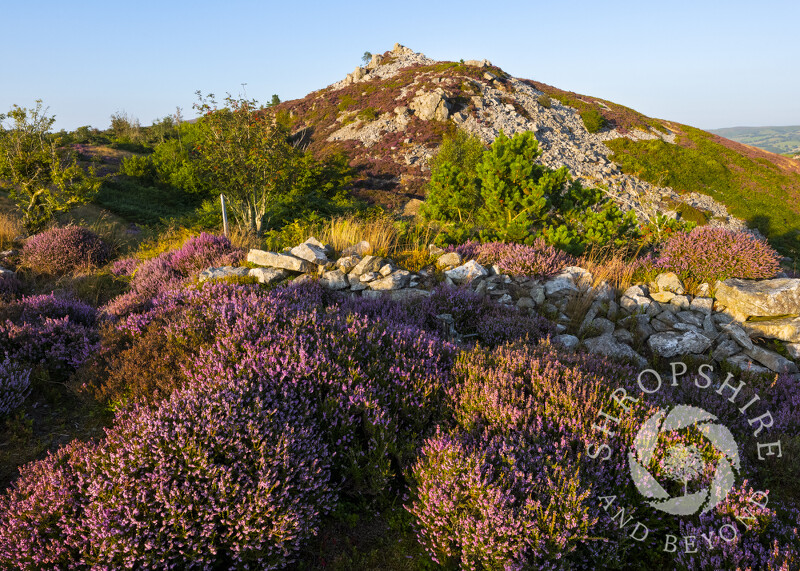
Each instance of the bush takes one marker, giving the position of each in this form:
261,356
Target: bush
63,250
709,254
58,332
232,478
593,120
9,286
544,100
539,260
14,383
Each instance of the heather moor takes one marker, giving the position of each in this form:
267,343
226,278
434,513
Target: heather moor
443,318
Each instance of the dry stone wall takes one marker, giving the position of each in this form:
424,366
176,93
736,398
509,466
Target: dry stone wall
657,320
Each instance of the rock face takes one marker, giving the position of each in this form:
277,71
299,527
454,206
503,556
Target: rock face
431,105
764,298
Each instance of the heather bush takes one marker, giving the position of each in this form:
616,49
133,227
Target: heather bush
171,268
57,332
63,250
539,260
9,287
14,383
709,254
498,503
231,478
125,266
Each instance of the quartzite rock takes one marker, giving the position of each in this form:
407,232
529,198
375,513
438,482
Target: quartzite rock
785,329
269,276
283,261
310,252
335,280
759,298
467,272
216,273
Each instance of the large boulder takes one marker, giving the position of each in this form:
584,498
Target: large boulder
335,280
311,252
759,298
282,261
397,280
785,329
671,343
368,264
669,281
431,105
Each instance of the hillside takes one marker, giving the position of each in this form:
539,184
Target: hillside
780,140
390,115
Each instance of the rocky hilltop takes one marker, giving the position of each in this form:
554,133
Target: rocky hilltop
390,116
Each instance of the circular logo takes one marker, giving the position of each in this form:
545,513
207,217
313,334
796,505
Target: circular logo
683,463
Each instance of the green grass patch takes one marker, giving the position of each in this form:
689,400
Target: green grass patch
760,192
144,204
368,114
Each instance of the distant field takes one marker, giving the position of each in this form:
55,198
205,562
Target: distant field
780,140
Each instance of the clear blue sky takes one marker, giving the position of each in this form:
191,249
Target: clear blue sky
706,63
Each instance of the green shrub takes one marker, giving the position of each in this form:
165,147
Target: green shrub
593,120
544,100
368,114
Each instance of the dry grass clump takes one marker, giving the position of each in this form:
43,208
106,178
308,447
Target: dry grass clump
345,231
10,229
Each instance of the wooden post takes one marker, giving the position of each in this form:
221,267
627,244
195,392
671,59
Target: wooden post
224,215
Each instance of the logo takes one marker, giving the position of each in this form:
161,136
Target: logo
683,462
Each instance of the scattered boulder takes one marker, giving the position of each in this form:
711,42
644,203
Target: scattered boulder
431,105
312,253
335,280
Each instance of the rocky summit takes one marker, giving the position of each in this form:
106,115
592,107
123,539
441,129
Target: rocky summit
389,116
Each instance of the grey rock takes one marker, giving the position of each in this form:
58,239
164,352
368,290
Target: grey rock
396,295
635,304
393,281
759,298
368,277
537,294
670,343
335,280
669,281
772,360
568,341
738,334
613,310
505,299
467,272
689,317
793,349
623,336
680,301
347,263
526,303
662,296
368,264
702,305
603,326
607,345
666,317
385,270
449,259
642,329
355,283
746,364
559,285
269,276
709,328
660,326
721,318
282,261
310,252
326,248
560,328
687,327
725,349
431,105
703,290
219,273
634,291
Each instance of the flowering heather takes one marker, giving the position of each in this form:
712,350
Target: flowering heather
125,266
709,254
63,250
169,269
474,315
230,478
14,383
495,502
539,260
9,287
58,332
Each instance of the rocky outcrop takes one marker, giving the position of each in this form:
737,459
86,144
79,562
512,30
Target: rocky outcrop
431,105
760,298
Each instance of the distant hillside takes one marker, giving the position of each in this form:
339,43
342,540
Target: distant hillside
782,140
